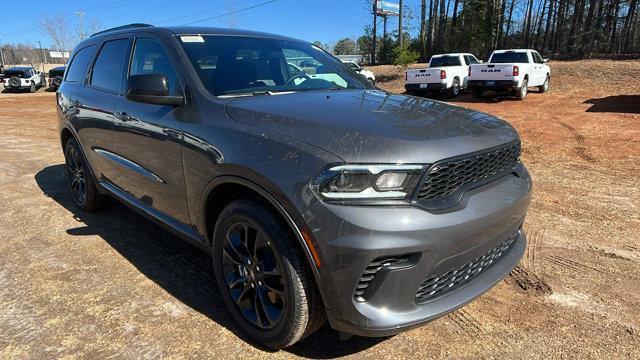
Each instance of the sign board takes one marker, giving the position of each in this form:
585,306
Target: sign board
387,8
58,54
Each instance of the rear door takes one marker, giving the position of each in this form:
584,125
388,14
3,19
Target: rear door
150,135
94,103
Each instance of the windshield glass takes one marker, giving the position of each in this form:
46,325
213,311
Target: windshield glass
14,72
441,61
509,57
229,65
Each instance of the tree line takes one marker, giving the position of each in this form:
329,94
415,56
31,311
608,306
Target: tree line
560,29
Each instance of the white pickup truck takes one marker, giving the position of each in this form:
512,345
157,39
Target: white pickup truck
447,73
368,74
23,77
510,71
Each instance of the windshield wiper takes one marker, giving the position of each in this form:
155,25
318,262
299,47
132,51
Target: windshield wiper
257,92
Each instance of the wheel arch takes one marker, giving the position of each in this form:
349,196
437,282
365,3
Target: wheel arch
222,190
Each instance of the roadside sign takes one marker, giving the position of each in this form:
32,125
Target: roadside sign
58,54
388,8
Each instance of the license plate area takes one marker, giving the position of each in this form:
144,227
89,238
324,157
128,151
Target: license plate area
424,86
490,82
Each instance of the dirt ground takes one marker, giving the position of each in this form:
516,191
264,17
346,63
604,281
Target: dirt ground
111,284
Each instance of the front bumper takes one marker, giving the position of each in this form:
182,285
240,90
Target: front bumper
426,87
505,85
433,243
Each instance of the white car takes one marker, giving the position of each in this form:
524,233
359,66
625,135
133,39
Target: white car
510,71
362,71
23,77
447,73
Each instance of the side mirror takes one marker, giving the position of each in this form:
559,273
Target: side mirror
545,60
151,89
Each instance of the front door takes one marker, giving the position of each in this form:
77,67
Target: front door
150,136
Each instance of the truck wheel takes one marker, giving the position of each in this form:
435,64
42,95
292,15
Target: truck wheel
545,87
521,92
455,88
477,93
263,277
33,88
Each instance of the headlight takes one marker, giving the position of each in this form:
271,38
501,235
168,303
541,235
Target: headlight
364,182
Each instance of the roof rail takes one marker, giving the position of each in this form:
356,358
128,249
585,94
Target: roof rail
129,26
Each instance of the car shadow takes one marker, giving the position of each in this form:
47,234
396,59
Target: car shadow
615,104
490,98
182,270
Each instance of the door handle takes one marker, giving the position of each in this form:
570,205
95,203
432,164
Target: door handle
123,116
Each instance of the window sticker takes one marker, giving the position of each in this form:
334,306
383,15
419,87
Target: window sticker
192,39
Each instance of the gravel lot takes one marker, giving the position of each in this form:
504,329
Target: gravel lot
111,284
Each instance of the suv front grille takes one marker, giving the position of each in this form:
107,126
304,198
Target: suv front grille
446,177
440,284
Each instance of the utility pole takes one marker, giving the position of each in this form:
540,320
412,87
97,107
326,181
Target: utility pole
384,26
400,24
375,29
44,58
80,14
1,53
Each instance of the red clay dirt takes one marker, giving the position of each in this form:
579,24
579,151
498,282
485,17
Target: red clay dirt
112,284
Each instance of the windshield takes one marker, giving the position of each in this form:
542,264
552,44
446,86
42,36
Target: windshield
441,61
14,72
238,65
509,57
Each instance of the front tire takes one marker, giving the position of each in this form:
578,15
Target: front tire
545,87
33,88
521,92
263,276
81,183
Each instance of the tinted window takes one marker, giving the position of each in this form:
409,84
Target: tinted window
510,57
13,72
108,68
150,58
472,59
79,63
230,65
445,61
537,58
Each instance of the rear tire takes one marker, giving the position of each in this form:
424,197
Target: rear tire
545,87
454,91
477,93
80,180
521,92
263,276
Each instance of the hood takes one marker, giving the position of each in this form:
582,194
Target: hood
372,126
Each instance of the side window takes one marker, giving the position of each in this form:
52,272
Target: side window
150,58
466,59
79,64
537,58
472,59
109,66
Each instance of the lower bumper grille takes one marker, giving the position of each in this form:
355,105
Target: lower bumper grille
441,284
372,270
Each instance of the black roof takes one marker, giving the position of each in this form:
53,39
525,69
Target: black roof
191,30
19,68
58,68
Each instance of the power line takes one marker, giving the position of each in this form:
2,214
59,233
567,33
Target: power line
198,13
229,13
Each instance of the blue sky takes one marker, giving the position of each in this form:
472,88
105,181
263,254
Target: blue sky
327,20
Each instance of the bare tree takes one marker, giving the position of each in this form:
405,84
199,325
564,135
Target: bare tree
57,28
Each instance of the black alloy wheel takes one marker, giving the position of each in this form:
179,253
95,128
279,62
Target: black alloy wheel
254,275
76,174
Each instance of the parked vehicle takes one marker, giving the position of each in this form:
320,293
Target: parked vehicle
447,73
368,74
55,77
23,77
316,198
510,71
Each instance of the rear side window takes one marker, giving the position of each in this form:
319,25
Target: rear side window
109,66
79,64
510,57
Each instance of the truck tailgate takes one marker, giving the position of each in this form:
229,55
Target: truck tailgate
423,76
491,72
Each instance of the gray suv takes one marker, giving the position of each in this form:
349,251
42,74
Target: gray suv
317,195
